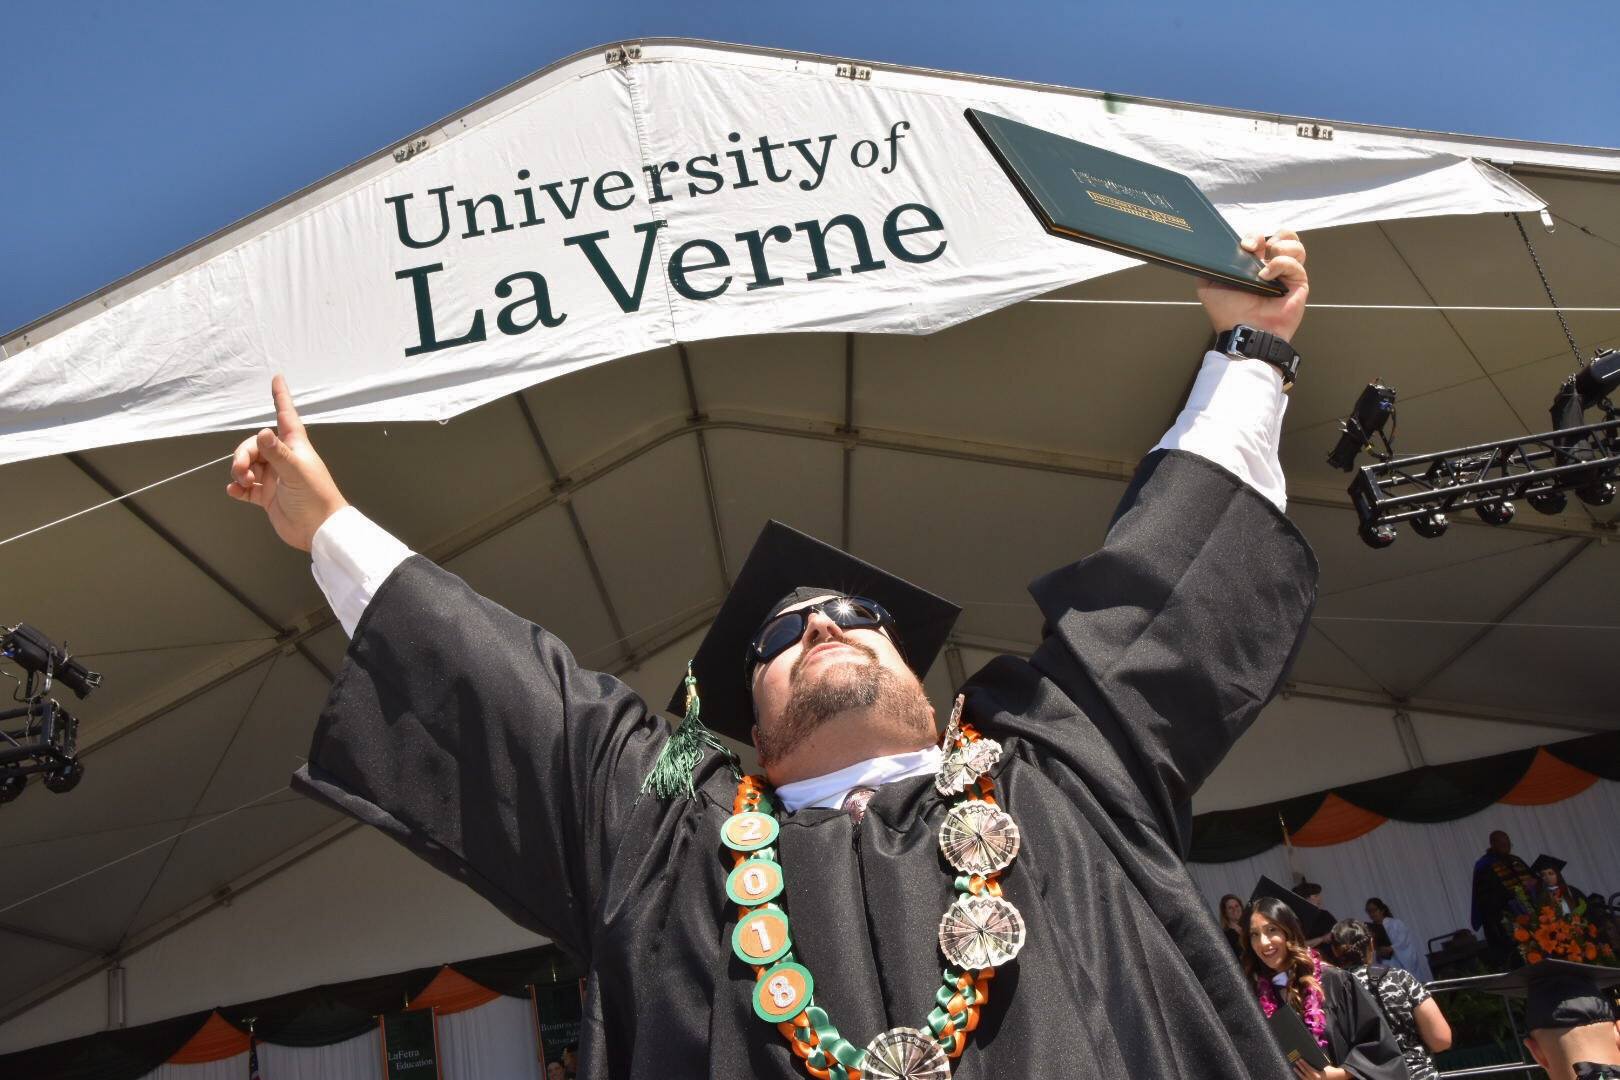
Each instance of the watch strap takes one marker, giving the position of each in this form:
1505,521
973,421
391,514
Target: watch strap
1246,341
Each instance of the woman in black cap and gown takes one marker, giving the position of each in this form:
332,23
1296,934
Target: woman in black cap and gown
1552,890
1337,1010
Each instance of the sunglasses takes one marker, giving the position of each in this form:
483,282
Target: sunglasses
780,634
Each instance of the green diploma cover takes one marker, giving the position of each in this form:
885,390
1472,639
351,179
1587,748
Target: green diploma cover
1098,197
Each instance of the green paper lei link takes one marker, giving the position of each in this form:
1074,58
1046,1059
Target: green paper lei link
843,1053
836,1054
942,998
833,1053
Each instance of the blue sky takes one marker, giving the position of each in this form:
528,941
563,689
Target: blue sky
133,129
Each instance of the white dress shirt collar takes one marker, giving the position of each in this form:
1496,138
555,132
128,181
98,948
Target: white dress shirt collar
829,789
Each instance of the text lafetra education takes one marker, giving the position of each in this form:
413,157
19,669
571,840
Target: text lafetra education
754,258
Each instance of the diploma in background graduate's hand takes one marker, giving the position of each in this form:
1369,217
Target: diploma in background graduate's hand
281,472
1284,258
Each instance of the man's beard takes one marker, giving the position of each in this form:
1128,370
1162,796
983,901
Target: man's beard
892,702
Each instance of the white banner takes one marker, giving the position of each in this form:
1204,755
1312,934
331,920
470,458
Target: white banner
604,210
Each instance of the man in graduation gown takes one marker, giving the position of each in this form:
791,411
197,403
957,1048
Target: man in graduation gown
472,736
1502,886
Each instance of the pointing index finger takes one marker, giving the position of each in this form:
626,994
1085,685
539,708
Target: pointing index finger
287,421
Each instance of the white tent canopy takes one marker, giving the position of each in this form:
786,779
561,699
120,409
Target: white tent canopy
620,205
612,500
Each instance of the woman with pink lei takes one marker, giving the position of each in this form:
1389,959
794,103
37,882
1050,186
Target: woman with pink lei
1336,1009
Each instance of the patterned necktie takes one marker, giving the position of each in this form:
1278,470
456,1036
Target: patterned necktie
855,802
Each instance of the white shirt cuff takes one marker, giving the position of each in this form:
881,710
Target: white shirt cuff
351,556
1234,418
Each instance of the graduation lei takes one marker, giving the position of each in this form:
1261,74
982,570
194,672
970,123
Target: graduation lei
1315,1004
979,931
1512,880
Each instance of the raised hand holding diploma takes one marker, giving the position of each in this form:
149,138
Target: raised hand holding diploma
280,472
1284,258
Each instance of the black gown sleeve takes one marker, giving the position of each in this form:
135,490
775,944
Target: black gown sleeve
1490,896
471,736
1174,635
1361,1040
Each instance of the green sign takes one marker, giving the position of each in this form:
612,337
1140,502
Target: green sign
556,1018
410,1045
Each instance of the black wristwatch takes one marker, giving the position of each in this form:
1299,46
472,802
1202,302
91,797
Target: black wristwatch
1255,344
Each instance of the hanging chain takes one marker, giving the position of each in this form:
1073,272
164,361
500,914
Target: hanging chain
1545,284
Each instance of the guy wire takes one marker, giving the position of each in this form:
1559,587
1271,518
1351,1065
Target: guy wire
144,848
116,499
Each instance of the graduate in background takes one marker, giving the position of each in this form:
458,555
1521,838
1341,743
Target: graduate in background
1573,1030
1552,891
1337,1009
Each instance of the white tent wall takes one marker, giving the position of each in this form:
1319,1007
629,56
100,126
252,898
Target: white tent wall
494,1041
1424,872
1349,743
79,1010
364,906
359,1058
360,906
231,1068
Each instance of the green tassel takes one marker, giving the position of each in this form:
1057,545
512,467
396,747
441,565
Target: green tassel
671,774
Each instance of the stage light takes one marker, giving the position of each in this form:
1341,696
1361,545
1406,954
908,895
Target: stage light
48,740
1598,494
1588,387
1548,502
1377,536
34,653
1599,379
64,777
1367,418
58,731
1430,526
1495,513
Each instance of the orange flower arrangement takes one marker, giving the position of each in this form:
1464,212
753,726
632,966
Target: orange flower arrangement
1544,934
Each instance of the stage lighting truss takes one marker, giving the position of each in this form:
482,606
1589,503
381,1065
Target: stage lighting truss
1424,490
46,742
40,735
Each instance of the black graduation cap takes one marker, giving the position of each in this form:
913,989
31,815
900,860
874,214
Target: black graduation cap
1557,993
1547,862
1310,916
785,568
